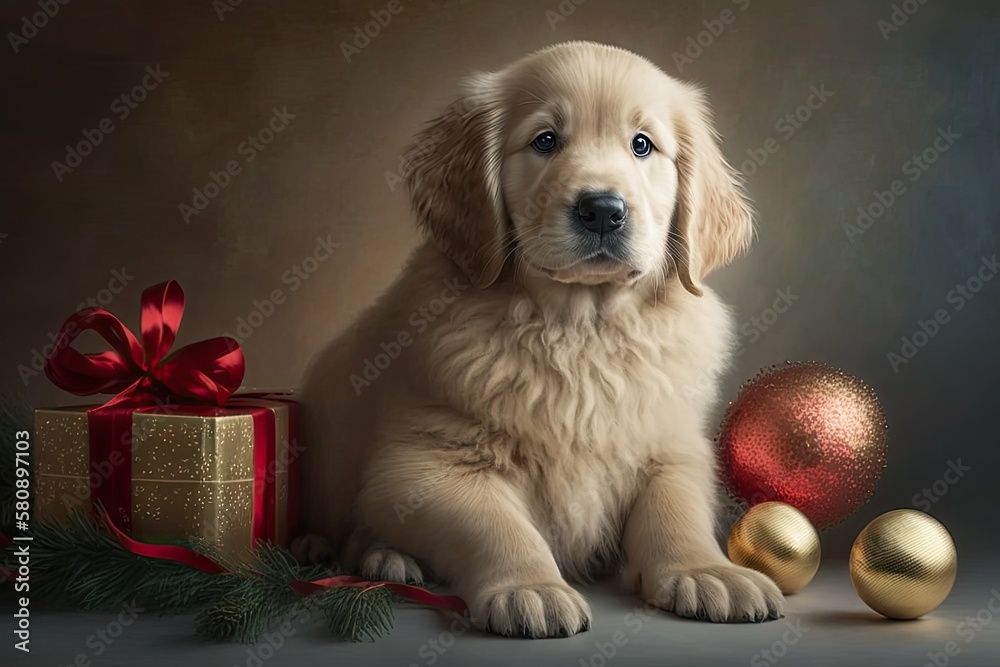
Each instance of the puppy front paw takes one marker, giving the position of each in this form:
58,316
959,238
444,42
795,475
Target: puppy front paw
721,593
382,563
532,611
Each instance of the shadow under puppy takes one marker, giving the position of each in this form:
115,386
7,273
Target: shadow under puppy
556,356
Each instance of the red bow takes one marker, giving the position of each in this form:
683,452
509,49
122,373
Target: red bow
208,371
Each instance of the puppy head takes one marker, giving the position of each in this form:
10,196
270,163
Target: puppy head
586,162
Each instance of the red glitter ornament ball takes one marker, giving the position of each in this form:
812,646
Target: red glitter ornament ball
806,434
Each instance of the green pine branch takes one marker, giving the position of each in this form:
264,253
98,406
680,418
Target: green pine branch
354,614
78,562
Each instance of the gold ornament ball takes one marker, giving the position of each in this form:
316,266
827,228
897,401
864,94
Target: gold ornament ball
903,564
777,540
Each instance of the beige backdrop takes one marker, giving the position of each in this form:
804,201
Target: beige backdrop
324,176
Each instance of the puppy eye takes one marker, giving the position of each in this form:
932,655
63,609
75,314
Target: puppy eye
545,142
641,145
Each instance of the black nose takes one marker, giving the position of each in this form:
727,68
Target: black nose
602,212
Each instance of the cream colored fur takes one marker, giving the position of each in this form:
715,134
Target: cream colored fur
542,420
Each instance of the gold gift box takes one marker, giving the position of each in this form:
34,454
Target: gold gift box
192,475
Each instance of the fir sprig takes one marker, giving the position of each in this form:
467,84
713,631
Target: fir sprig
356,614
79,563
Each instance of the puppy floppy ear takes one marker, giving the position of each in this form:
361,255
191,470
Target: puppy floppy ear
714,220
452,172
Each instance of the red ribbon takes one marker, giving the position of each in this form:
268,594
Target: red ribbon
202,562
172,552
405,591
207,372
202,375
147,376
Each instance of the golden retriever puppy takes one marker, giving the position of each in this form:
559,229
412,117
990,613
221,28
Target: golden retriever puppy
527,404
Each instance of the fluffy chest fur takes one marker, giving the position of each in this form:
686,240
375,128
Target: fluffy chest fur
579,400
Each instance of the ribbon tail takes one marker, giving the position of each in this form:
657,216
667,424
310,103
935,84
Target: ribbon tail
172,552
424,596
404,591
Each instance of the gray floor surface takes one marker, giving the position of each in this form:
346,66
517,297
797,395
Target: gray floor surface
826,624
